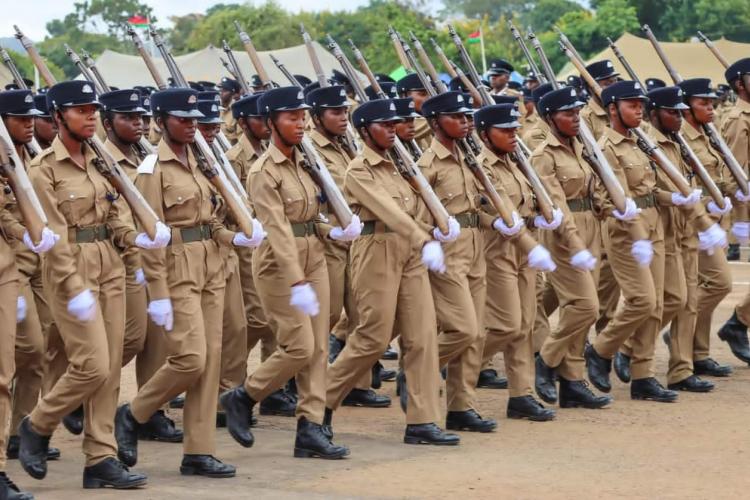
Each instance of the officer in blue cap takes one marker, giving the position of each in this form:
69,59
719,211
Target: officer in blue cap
499,73
654,83
229,91
594,114
44,126
291,277
388,88
210,123
18,112
406,129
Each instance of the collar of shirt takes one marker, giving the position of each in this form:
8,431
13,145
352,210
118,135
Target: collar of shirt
320,139
440,151
691,132
659,136
491,157
742,106
61,153
248,151
166,154
596,108
117,154
615,136
278,157
371,157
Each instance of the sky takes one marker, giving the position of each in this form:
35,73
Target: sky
32,15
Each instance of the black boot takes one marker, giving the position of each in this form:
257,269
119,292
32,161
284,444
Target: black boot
489,379
376,381
9,490
160,428
576,394
666,336
366,399
528,407
598,369
32,450
387,375
692,384
73,421
113,473
205,465
312,442
390,354
335,346
278,403
401,391
238,406
327,426
291,389
469,420
11,452
429,434
649,389
734,333
733,252
544,382
126,435
177,403
622,367
711,368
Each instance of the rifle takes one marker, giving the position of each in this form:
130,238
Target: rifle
211,159
32,146
686,151
311,159
234,68
532,64
714,49
592,152
400,156
645,143
104,163
714,137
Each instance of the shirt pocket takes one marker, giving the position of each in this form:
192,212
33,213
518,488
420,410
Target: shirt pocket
179,201
572,179
73,205
294,202
635,171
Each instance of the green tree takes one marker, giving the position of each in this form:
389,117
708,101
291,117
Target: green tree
547,12
495,9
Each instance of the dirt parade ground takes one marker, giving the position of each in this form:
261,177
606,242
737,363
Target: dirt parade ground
695,448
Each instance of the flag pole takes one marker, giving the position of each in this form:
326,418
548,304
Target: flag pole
481,47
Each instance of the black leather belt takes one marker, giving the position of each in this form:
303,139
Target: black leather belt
580,204
646,201
91,234
195,233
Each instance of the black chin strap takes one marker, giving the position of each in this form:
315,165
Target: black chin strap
64,123
279,135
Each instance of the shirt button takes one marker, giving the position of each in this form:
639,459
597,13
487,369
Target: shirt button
406,199
72,196
179,198
394,173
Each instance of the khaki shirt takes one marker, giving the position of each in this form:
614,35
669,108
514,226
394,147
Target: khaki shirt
8,271
453,182
333,155
530,121
182,197
509,181
154,132
595,117
242,156
535,135
377,192
229,125
75,196
422,133
283,193
736,132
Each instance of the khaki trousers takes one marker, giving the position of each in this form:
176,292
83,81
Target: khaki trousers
576,291
234,333
743,309
9,287
94,351
391,287
195,276
459,295
714,283
608,290
642,288
302,341
541,329
258,329
511,306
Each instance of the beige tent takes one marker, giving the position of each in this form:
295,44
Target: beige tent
122,70
690,59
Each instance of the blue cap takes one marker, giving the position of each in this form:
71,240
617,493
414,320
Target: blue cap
623,91
409,82
303,80
246,106
505,99
18,103
654,83
697,87
122,101
40,103
382,77
209,95
388,88
230,84
405,107
457,84
180,102
541,90
379,110
71,93
667,98
513,85
574,81
282,99
310,87
445,103
737,69
601,70
497,116
499,67
210,111
328,97
560,100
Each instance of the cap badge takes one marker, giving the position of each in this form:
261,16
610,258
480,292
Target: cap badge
411,104
609,64
392,107
460,98
572,92
28,99
214,108
192,99
86,89
637,86
134,96
300,95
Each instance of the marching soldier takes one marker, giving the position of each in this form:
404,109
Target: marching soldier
292,280
389,277
573,186
535,134
229,91
499,75
411,86
185,289
44,126
714,275
406,128
83,277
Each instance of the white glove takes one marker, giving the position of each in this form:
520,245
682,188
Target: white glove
714,209
540,258
694,197
583,260
454,231
643,252
741,231
499,225
161,313
712,238
140,276
83,306
241,239
631,211
20,309
49,239
304,299
433,257
349,233
557,217
162,238
741,196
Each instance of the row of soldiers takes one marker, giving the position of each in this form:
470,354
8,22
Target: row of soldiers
189,302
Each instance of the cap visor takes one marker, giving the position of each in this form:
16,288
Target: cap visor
293,108
577,104
209,120
462,109
28,112
394,119
194,113
513,124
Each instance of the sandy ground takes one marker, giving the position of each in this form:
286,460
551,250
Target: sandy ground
696,448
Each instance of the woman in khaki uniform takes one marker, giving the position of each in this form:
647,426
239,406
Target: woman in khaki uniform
83,276
292,280
186,290
390,280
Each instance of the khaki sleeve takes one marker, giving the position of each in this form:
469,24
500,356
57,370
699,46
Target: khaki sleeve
12,226
635,227
154,261
735,132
